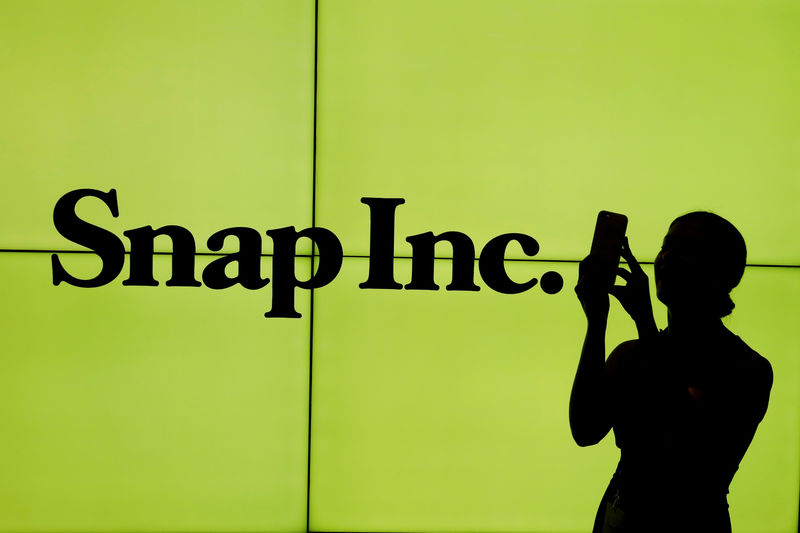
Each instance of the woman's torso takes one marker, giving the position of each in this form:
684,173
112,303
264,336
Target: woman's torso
679,422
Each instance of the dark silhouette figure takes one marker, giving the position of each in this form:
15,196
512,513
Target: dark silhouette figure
684,402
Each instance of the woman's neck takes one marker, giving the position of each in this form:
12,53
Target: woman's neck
693,326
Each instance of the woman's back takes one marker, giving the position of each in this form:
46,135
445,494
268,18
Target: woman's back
683,415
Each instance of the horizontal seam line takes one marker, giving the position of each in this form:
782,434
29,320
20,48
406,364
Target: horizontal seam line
355,256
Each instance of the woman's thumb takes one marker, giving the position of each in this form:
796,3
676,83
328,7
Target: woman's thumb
614,290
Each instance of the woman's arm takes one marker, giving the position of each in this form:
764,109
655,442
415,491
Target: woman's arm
732,422
750,402
590,415
589,387
590,403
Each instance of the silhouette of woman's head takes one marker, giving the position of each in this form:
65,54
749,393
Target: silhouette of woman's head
702,258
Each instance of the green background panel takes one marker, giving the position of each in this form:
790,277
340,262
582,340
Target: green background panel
199,113
765,491
448,411
532,115
149,408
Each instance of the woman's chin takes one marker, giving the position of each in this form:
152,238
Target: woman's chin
664,295
673,300
664,299
678,293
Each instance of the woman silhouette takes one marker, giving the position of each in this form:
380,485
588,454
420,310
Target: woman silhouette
685,401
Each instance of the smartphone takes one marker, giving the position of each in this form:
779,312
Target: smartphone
609,233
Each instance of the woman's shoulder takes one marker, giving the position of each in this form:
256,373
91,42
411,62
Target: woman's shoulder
751,380
621,358
742,360
749,363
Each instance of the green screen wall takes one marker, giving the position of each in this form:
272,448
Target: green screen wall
184,409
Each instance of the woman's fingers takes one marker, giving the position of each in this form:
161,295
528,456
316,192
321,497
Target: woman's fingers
628,255
590,268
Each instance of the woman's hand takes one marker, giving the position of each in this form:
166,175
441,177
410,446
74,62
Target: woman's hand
635,294
592,289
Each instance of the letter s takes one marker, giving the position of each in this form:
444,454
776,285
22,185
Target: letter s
104,243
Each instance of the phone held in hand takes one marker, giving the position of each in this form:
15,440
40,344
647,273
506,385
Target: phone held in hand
609,233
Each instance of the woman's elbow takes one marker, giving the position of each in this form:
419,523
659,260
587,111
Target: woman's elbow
585,440
588,436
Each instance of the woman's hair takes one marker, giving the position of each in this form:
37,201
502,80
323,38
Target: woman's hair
724,251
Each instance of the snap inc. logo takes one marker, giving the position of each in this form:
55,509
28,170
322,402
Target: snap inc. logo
110,249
